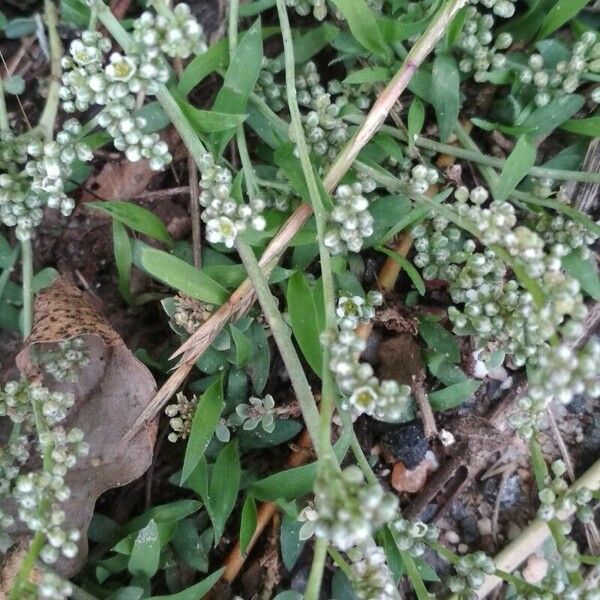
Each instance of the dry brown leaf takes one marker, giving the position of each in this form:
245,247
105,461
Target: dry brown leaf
109,395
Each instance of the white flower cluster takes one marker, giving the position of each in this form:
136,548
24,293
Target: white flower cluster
364,393
556,586
567,75
350,221
39,494
268,88
411,536
24,193
181,416
349,510
352,310
225,218
471,571
476,41
13,150
326,131
87,81
65,362
371,578
558,501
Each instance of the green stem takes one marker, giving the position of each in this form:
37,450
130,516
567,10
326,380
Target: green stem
48,118
313,586
27,276
5,276
340,562
473,154
413,574
328,390
4,124
281,333
16,593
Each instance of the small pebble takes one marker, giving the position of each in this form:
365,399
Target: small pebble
409,480
462,549
484,526
535,569
446,438
452,537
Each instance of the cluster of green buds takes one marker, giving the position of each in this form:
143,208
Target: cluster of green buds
422,178
501,8
364,394
326,131
349,509
38,495
476,41
371,577
66,360
268,88
412,536
175,33
224,216
567,75
38,178
350,221
562,235
352,310
471,571
52,587
304,7
498,310
181,415
558,501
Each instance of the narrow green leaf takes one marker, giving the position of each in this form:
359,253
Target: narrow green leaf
243,346
178,274
205,420
453,395
136,217
368,75
416,119
240,79
259,365
248,522
145,556
196,591
216,57
589,127
123,257
209,121
445,93
289,540
312,42
584,270
224,486
363,25
251,9
562,12
516,167
412,273
546,118
303,317
439,338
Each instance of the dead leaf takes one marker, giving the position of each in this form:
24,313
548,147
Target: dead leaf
109,395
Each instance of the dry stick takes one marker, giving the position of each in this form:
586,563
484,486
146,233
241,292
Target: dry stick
532,537
243,298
